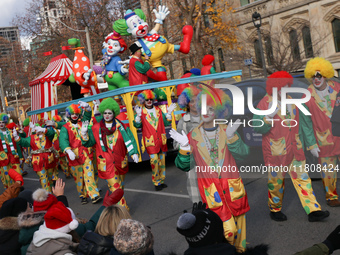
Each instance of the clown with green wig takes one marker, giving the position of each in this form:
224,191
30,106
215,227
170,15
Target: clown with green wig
10,153
212,150
153,45
113,143
79,157
42,151
152,121
317,126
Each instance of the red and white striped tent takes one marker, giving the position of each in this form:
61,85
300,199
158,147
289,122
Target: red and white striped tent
44,87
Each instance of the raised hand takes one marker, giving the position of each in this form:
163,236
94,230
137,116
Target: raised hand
182,139
84,128
231,128
163,11
85,105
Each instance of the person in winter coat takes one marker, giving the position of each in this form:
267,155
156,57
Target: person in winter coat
100,242
14,189
53,235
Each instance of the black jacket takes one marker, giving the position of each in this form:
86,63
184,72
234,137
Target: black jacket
93,243
9,236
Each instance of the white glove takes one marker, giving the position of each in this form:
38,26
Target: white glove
15,134
124,62
87,76
39,129
84,128
171,108
71,154
231,129
50,123
182,139
163,11
135,158
315,152
124,70
270,116
138,110
31,125
95,107
85,105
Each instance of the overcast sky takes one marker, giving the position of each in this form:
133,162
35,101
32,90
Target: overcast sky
9,8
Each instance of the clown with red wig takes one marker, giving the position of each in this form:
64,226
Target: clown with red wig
152,121
324,145
10,153
207,63
211,147
113,71
79,157
283,149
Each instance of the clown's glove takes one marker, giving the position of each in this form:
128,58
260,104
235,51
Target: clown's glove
39,129
232,127
163,11
15,134
85,105
87,76
124,62
315,152
31,125
71,154
95,107
50,123
124,70
181,139
198,206
270,116
135,158
171,108
84,128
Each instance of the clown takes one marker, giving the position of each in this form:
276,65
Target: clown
113,71
217,146
153,45
336,117
207,63
10,153
283,146
318,126
42,151
112,144
189,121
152,121
79,157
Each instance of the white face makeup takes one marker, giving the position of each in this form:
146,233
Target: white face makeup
318,80
108,115
112,47
2,125
192,105
210,116
74,116
137,26
149,103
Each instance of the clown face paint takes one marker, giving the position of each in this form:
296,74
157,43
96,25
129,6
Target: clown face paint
74,117
318,81
137,27
193,106
149,103
108,115
210,116
2,125
112,47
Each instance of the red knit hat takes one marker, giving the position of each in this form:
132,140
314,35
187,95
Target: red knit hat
43,200
207,60
60,218
278,80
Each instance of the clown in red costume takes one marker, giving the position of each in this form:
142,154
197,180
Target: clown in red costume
152,121
153,45
216,147
283,148
207,63
324,145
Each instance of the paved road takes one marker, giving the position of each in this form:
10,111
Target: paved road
160,210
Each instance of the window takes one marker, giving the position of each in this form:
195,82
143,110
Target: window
184,64
244,2
294,44
269,50
307,42
257,52
221,59
336,34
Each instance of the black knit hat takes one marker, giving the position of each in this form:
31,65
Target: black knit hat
134,47
201,228
13,207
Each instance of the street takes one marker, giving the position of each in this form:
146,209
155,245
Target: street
160,209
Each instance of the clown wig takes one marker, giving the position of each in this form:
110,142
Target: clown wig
57,118
214,99
187,94
207,60
146,94
109,104
120,25
73,109
319,64
26,122
278,80
4,117
116,37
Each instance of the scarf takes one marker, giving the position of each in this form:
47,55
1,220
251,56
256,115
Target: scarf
151,37
105,61
104,131
9,140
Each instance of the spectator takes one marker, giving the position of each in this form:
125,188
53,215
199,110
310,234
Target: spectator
101,240
14,189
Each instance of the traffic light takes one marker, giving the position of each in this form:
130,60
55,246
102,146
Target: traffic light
6,101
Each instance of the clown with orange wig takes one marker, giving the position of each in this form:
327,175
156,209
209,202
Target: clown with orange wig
214,147
79,157
324,145
152,121
10,153
283,146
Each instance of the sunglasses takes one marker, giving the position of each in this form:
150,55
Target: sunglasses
148,100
